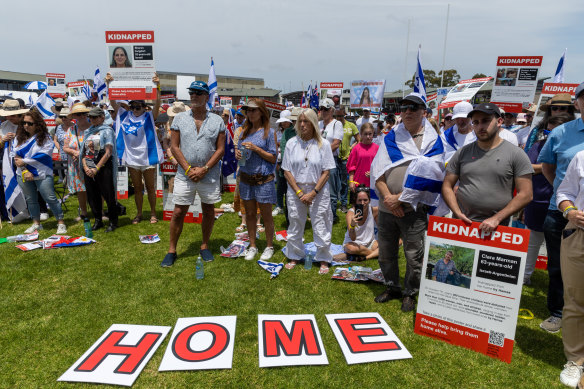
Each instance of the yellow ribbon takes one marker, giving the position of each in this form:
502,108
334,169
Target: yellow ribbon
528,316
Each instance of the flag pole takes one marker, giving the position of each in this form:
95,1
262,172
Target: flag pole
406,61
444,51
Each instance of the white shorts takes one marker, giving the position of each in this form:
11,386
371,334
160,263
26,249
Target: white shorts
184,192
142,168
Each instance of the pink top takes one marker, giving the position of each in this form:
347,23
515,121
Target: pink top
360,161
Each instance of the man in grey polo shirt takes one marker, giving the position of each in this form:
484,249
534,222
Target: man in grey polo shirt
197,141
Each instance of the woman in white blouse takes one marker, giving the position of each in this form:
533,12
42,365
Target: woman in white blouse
306,164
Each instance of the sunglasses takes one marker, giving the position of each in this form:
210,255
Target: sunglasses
80,114
558,108
251,110
325,109
136,107
411,108
24,123
362,189
196,92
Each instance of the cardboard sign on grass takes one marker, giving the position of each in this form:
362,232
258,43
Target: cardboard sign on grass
290,340
366,337
200,343
118,356
471,286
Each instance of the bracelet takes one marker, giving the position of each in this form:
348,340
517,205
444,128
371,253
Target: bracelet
187,171
206,168
351,227
353,182
568,209
298,191
315,190
97,167
170,158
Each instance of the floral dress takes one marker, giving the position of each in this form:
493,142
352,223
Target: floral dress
74,179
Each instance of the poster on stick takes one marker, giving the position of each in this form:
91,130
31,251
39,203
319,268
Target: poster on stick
465,90
130,55
118,356
471,286
367,93
56,86
330,90
515,82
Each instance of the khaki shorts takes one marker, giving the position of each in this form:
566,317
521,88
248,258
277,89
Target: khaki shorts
142,168
185,191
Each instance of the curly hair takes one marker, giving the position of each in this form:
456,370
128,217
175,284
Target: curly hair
41,132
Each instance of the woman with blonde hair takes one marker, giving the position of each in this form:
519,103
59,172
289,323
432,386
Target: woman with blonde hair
307,160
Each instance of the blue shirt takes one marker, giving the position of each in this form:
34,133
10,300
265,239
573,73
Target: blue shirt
562,145
442,270
254,163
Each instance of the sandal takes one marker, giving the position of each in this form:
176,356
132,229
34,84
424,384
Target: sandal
137,220
241,228
260,228
153,219
290,265
323,270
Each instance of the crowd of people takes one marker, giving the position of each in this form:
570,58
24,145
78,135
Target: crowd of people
494,166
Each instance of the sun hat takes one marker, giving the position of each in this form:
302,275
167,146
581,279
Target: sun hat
78,108
58,104
284,116
64,112
250,104
176,108
12,107
95,112
561,99
296,111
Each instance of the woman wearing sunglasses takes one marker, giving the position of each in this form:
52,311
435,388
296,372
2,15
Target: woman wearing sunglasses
558,104
360,239
33,150
138,147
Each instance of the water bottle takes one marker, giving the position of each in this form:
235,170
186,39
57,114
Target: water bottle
244,152
199,271
88,229
308,262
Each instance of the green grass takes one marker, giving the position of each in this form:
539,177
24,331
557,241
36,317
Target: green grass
56,303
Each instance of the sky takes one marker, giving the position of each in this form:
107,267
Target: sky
289,44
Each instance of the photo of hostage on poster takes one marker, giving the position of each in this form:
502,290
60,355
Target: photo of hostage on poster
471,288
130,55
56,84
367,94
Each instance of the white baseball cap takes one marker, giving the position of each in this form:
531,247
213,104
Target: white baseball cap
461,110
284,116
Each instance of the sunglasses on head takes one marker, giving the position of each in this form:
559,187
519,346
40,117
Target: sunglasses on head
362,189
196,92
559,108
410,107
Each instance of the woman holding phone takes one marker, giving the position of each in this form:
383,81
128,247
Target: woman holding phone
360,239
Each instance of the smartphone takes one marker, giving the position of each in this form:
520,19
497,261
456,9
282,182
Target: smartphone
358,210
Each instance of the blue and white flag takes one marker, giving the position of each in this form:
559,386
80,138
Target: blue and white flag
15,201
559,76
271,267
419,83
44,104
38,159
99,85
31,100
86,91
424,175
212,84
451,144
136,140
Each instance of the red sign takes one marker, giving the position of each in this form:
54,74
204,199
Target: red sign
331,85
509,107
276,106
55,75
519,61
129,36
475,80
551,88
74,84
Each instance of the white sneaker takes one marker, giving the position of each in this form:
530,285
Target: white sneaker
44,216
267,254
61,229
571,374
250,253
277,211
35,227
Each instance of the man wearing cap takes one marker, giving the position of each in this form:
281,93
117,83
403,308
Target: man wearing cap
350,132
197,141
411,140
332,130
429,113
560,148
487,172
448,122
505,133
509,120
239,119
365,118
461,133
287,132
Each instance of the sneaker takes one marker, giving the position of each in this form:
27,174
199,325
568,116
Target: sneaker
344,209
61,229
552,324
267,254
277,211
35,227
250,253
571,374
388,294
408,304
168,260
44,216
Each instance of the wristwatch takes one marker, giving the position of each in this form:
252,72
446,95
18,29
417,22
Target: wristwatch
206,168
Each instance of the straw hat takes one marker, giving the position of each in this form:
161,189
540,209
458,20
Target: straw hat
12,107
78,108
562,99
65,111
176,108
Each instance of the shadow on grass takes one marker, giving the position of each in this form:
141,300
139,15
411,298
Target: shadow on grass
540,345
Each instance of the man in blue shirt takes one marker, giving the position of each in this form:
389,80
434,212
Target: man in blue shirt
444,267
562,145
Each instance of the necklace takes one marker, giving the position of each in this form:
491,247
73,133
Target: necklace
306,151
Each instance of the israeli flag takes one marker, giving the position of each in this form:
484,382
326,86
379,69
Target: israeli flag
38,159
15,201
99,85
86,91
31,100
212,84
44,104
271,267
451,144
559,76
419,83
424,175
136,140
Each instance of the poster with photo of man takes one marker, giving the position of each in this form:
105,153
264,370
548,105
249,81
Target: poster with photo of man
56,84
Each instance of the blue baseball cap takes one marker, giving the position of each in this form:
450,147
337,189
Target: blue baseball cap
199,85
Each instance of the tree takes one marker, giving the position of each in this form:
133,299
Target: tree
451,78
479,75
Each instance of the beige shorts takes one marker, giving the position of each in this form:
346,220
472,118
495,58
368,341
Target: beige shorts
142,168
184,192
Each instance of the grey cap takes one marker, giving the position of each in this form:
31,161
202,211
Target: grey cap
96,111
579,90
415,98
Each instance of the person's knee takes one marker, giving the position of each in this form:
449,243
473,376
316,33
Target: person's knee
179,212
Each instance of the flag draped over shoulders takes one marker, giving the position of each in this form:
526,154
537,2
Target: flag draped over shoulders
136,140
38,159
15,201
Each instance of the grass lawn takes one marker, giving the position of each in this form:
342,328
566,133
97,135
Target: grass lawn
56,303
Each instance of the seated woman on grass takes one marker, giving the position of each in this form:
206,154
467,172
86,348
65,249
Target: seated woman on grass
360,240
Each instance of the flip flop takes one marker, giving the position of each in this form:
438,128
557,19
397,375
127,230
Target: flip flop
260,228
323,270
207,255
153,220
241,228
291,265
137,220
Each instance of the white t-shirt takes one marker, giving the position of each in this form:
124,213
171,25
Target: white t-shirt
362,121
464,139
334,130
306,161
508,136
